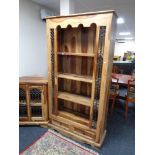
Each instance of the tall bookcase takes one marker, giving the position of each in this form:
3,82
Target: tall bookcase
80,57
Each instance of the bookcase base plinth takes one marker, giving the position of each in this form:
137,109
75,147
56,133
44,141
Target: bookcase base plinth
78,137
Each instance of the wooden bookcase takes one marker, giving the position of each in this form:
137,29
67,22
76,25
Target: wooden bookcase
33,108
80,57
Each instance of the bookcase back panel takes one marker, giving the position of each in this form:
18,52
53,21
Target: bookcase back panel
76,40
74,108
75,65
75,87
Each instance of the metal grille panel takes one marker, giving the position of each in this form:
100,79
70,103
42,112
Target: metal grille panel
99,73
36,111
35,95
52,60
22,111
22,95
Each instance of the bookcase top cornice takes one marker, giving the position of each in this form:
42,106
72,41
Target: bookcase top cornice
83,14
100,18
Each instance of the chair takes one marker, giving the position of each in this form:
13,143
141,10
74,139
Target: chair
130,96
114,91
116,70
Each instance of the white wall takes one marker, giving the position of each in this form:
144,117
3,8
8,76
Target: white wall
32,40
120,48
66,7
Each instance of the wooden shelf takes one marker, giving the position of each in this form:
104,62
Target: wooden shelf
73,117
31,103
77,54
22,103
24,117
75,77
38,118
35,104
74,98
33,123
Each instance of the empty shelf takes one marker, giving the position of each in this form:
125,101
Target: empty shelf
77,54
74,98
74,117
75,77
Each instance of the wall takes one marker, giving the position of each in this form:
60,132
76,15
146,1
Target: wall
32,40
66,7
120,48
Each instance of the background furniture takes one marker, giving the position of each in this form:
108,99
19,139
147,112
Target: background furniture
80,56
117,58
130,96
123,79
126,67
126,82
33,100
114,91
116,70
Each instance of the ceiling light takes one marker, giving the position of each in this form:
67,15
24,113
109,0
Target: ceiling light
124,33
120,21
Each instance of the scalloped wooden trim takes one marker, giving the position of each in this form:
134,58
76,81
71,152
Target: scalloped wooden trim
86,21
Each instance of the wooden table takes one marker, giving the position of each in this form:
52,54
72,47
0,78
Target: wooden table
123,78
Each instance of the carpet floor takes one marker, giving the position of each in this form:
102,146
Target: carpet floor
120,138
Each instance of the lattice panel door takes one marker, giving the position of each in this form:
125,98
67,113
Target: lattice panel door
36,99
23,109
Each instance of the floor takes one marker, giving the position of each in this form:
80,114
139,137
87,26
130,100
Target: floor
120,138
